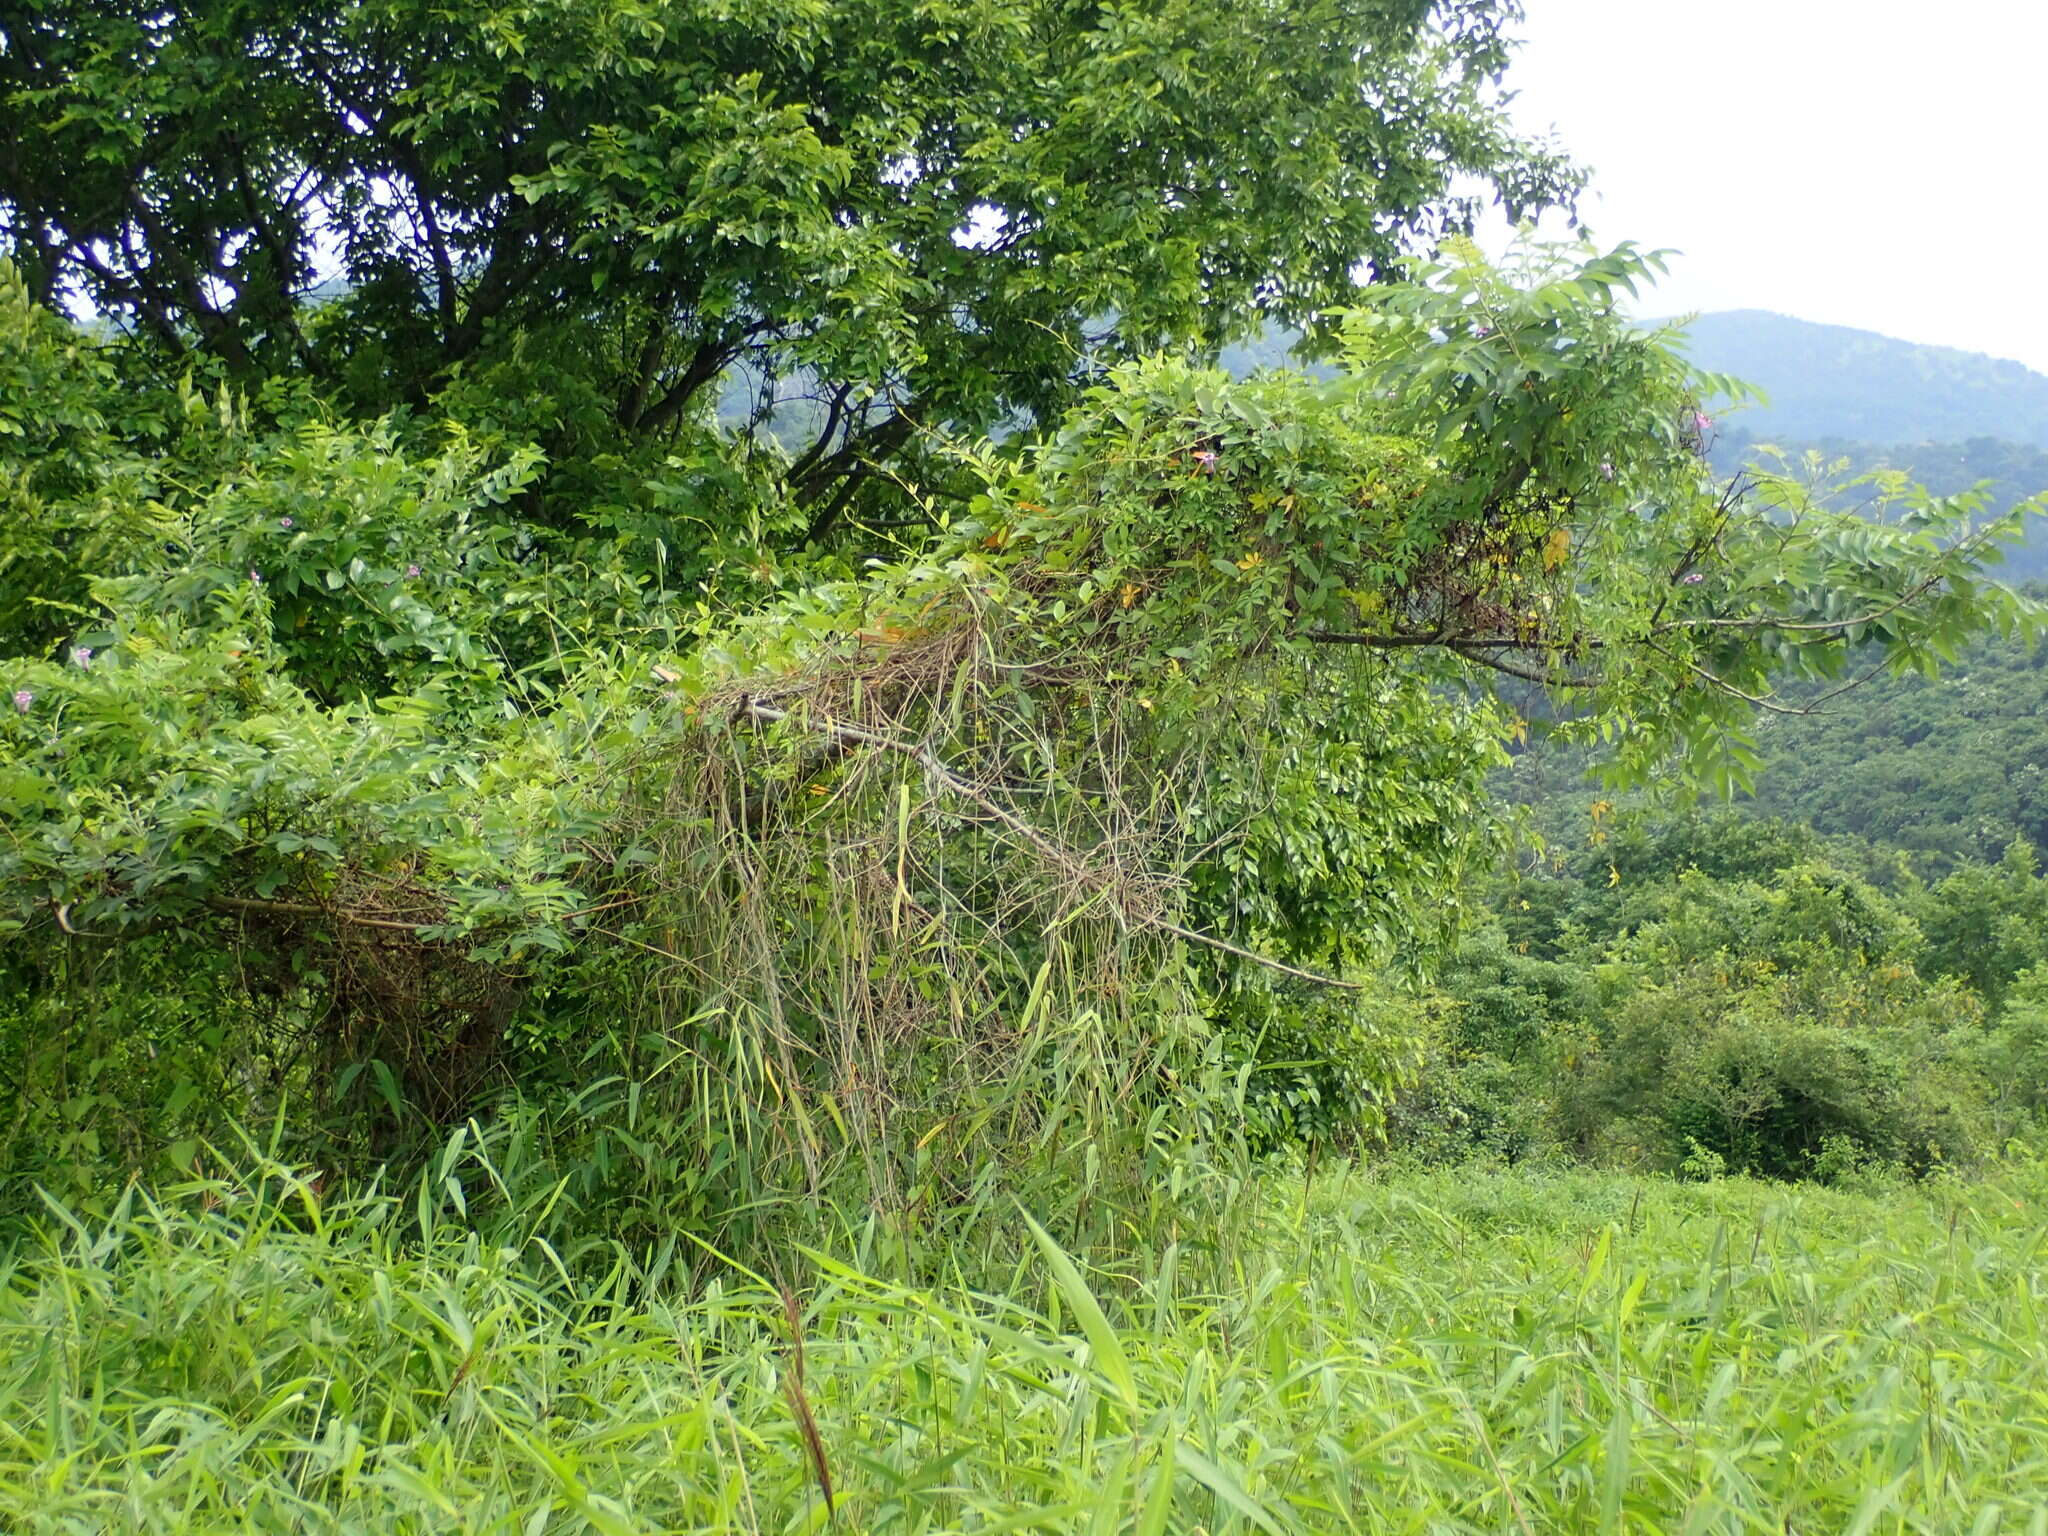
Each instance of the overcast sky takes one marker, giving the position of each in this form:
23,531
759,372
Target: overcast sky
1871,163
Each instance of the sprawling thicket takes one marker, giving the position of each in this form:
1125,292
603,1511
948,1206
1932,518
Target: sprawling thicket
1155,766
627,557
660,725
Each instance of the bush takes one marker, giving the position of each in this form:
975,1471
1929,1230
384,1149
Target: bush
1986,923
1768,1073
1482,1089
2013,1056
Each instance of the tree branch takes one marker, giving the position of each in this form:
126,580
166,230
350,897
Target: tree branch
1478,649
705,364
848,466
1827,626
651,352
834,414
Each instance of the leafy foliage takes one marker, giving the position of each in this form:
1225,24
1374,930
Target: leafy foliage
1947,773
1182,720
578,221
2006,473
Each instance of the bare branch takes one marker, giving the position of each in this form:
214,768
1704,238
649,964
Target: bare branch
1479,649
1826,626
849,466
310,909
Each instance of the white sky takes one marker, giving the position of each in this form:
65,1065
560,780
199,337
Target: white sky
1875,163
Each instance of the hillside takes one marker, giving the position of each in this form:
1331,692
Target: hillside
1953,420
1945,769
1827,381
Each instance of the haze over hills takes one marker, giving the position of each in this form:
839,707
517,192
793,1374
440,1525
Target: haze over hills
1829,381
1951,419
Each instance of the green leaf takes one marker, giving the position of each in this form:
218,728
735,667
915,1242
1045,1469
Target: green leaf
1105,1349
1227,1488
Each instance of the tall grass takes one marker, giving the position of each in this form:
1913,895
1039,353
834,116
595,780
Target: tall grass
1512,1352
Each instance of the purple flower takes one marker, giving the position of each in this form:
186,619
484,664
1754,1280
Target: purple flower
284,522
1207,460
1482,330
1606,471
22,699
1693,580
412,570
81,657
1701,421
255,577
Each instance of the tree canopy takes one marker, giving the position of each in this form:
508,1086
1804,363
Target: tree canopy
593,222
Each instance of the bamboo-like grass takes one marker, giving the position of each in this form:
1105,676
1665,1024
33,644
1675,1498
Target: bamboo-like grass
1507,1351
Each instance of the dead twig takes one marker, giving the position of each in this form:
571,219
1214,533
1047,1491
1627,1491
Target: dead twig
951,779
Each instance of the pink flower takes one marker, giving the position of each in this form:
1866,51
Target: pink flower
1701,421
255,577
412,570
1207,460
284,522
22,699
81,656
1693,580
1606,471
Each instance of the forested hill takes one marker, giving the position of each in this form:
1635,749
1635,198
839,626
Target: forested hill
1944,770
1829,381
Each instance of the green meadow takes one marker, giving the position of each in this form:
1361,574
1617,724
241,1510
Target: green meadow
1493,1351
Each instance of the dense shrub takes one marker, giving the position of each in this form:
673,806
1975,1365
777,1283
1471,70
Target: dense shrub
2014,1054
1776,1018
1986,923
1765,1071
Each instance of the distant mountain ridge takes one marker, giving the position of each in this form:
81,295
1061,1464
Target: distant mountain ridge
1831,381
1951,419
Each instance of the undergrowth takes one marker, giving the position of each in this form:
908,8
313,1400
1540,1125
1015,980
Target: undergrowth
1512,1351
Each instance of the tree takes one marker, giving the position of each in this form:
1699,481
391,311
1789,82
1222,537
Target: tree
911,215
